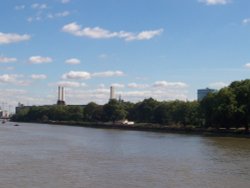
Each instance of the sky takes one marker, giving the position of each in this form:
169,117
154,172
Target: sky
165,49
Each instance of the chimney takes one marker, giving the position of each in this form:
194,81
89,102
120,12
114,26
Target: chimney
62,94
112,92
60,100
59,93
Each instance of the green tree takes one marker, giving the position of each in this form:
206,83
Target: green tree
144,111
241,89
89,111
225,108
162,113
113,111
207,106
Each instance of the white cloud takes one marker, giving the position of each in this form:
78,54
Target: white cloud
165,84
246,21
247,65
144,35
215,2
40,59
70,84
65,1
218,85
38,76
8,78
103,56
23,82
100,33
76,75
14,91
7,68
158,94
39,6
59,14
87,75
19,7
137,86
7,59
13,79
6,38
73,61
108,74
35,18
116,85
101,86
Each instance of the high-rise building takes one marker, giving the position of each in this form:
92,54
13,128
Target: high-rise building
201,93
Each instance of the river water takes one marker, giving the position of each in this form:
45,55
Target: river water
51,156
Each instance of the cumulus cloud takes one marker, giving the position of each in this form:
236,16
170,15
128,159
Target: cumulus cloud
76,75
59,14
165,84
65,1
218,85
103,56
215,2
7,38
70,84
39,6
19,7
35,18
38,76
86,75
247,65
8,78
7,59
246,21
100,33
137,86
7,68
13,79
73,61
40,60
116,85
108,74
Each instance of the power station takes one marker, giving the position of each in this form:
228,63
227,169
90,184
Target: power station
112,93
60,100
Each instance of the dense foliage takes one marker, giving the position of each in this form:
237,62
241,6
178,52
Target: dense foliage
227,108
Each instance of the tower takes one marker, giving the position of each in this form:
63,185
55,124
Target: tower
112,92
60,100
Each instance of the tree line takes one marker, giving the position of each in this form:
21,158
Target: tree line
229,107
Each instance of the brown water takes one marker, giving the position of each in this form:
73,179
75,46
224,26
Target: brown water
50,156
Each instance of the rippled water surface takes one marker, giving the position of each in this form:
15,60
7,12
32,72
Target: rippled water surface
50,156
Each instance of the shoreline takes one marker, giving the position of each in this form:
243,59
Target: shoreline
155,128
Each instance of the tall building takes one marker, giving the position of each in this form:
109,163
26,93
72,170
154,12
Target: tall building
201,93
112,92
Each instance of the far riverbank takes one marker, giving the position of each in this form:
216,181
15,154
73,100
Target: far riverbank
233,132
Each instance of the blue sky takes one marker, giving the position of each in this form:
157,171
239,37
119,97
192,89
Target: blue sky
165,49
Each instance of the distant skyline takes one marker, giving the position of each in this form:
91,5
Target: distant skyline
165,49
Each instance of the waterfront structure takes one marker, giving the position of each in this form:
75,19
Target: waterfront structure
60,100
201,93
112,92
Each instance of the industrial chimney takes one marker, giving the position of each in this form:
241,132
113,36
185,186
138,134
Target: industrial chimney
112,92
60,100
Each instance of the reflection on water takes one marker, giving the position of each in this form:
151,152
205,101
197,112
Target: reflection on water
35,155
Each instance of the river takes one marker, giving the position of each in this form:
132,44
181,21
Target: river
51,156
